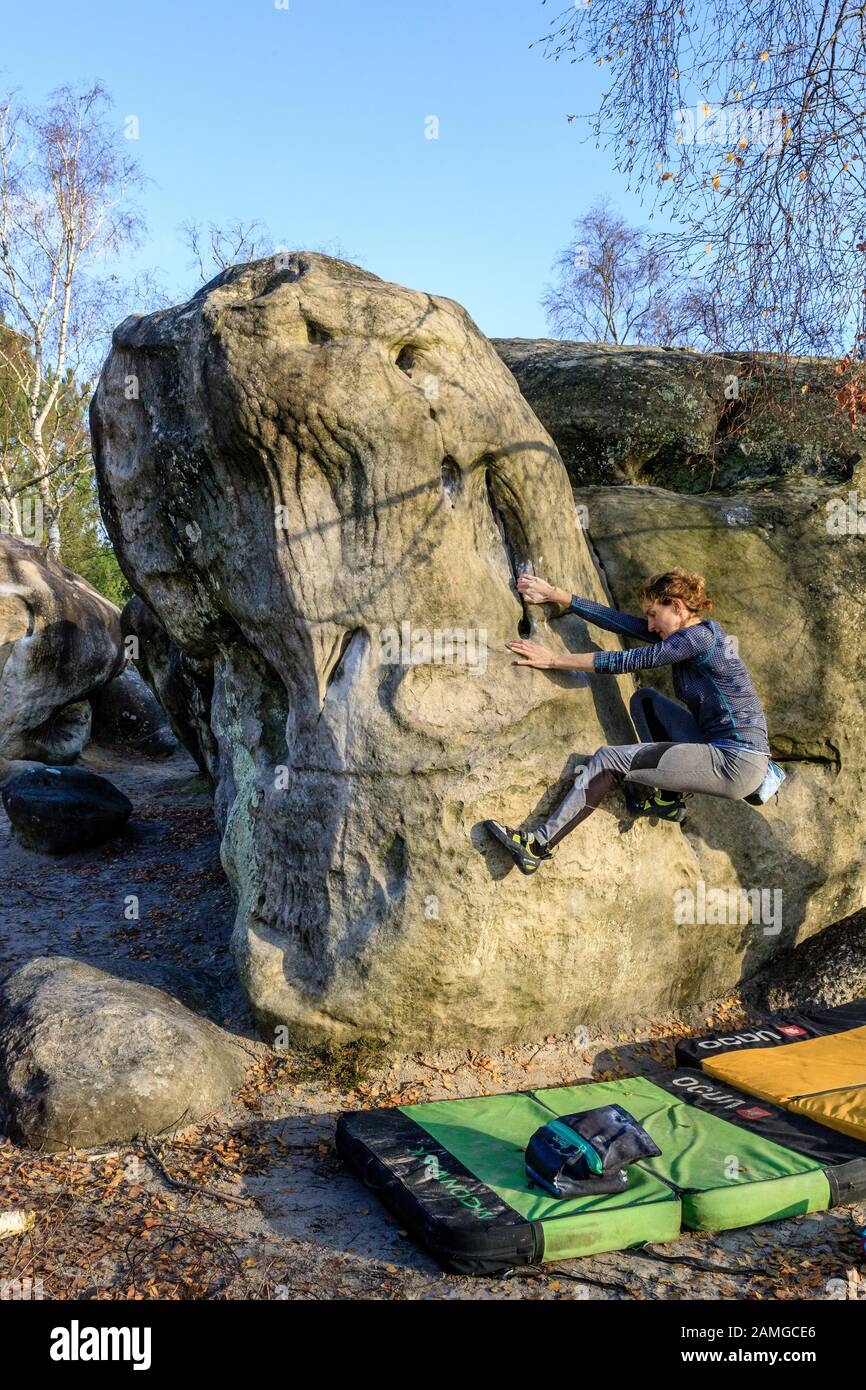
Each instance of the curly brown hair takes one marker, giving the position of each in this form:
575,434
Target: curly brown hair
677,583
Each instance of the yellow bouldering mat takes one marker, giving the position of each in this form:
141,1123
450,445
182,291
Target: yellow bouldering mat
824,1077
841,1110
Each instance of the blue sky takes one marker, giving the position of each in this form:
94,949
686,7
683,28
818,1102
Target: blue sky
312,119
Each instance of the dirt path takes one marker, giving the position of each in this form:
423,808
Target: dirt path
271,1212
168,859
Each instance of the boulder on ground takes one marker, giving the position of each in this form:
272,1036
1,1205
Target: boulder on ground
126,711
87,1058
828,969
59,641
687,420
56,810
323,476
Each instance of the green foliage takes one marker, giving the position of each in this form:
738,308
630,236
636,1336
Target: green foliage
85,548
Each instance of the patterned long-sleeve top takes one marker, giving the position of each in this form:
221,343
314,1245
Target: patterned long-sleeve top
708,676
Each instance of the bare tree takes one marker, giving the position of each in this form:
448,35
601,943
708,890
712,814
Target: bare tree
64,212
615,285
217,248
745,123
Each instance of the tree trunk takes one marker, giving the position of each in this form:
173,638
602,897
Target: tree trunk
10,518
51,528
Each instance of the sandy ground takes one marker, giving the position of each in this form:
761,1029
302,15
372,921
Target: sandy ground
254,1203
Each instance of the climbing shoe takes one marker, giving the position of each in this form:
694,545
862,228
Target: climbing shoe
652,802
520,844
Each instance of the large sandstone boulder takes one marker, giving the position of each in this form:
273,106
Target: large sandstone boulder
87,1058
317,472
787,572
316,458
686,420
59,641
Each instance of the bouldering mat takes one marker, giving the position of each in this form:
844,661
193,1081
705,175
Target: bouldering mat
814,1021
453,1171
813,1063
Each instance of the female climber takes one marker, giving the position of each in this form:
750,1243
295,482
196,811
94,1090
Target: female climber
715,741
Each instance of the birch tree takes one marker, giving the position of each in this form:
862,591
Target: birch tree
615,285
65,217
745,124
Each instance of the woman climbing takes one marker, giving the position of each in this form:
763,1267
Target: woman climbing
715,741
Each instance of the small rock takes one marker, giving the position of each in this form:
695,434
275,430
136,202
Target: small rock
59,809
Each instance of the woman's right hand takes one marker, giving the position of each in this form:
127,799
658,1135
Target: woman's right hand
536,590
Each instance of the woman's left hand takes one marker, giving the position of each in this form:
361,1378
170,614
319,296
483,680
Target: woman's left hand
531,654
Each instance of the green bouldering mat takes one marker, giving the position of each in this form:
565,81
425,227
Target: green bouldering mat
453,1171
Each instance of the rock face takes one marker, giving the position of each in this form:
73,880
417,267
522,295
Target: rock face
59,641
183,686
685,420
828,969
321,476
87,1058
321,472
60,809
126,711
787,574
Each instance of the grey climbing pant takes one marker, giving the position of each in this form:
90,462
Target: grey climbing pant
673,758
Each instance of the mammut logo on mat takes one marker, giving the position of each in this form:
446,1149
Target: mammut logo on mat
456,1186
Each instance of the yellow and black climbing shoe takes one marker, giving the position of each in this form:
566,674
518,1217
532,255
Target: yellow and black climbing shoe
652,802
519,843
